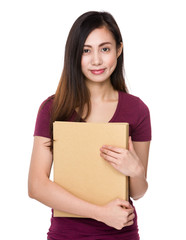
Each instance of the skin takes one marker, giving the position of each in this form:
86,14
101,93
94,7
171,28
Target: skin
99,53
132,162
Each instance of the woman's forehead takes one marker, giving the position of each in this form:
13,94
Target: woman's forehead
99,36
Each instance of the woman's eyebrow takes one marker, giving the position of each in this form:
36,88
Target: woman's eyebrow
100,45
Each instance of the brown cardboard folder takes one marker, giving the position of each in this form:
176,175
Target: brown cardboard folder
78,166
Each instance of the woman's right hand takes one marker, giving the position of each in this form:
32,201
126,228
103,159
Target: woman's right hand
117,214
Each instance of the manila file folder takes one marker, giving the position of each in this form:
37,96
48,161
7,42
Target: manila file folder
78,166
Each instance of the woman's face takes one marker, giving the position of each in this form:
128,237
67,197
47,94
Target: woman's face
99,58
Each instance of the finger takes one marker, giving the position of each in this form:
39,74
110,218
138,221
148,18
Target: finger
109,153
131,217
130,143
109,158
131,147
129,223
114,165
112,148
129,211
125,204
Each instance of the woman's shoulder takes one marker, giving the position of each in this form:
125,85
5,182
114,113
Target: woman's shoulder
128,96
136,112
131,101
42,125
47,103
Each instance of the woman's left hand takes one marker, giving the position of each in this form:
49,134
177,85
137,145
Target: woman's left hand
125,161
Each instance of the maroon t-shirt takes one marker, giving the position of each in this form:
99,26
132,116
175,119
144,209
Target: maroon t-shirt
129,109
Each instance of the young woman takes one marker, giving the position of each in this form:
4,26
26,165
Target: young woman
92,89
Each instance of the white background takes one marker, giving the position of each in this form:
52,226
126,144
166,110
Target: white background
33,35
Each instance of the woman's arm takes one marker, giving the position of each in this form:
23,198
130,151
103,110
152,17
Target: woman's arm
51,194
138,183
132,163
41,188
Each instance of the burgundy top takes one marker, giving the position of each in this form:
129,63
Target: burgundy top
129,109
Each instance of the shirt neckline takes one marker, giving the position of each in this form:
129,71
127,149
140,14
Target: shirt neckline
116,110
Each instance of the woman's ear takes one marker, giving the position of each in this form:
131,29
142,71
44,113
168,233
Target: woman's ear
119,50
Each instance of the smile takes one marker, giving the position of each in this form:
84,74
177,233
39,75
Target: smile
97,72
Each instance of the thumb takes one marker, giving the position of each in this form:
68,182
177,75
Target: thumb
124,203
131,147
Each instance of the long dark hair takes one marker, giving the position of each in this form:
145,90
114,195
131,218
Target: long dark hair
72,92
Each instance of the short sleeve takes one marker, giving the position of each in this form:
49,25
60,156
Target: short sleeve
42,125
142,129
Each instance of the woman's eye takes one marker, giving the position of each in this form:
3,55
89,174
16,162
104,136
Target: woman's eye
105,49
86,50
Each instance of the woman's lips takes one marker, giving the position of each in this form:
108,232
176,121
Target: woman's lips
97,72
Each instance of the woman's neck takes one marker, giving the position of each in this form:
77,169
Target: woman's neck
101,92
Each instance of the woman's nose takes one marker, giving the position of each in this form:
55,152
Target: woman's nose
96,58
